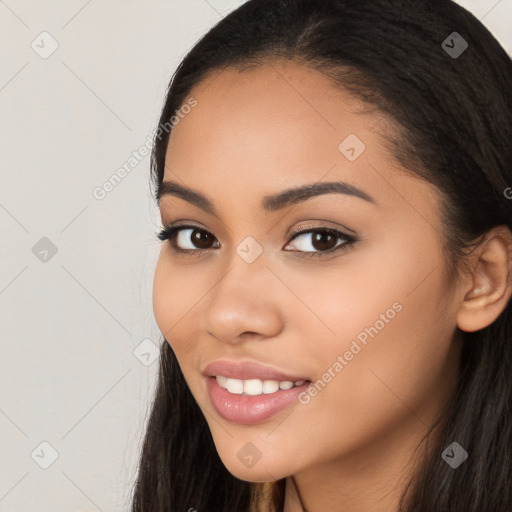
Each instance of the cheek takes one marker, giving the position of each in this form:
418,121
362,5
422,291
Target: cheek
394,331
173,303
164,299
178,294
175,293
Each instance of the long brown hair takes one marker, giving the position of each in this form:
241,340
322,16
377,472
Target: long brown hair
453,114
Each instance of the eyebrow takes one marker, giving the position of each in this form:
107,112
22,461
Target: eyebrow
270,203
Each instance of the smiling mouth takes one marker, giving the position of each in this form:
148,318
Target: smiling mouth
255,387
252,401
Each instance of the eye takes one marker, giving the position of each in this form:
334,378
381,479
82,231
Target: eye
320,240
189,239
314,242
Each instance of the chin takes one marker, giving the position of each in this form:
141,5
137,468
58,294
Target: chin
261,470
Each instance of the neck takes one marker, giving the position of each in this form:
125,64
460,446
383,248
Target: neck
371,479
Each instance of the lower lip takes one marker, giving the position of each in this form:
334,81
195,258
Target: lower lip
247,410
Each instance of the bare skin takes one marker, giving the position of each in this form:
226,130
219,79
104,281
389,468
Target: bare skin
263,131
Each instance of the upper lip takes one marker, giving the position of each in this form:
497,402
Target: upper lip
245,370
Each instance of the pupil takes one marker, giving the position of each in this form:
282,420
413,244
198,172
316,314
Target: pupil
321,241
201,239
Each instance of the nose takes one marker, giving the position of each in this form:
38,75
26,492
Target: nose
244,304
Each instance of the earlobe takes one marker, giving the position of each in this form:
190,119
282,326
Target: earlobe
489,283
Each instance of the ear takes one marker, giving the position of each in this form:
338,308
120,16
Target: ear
488,286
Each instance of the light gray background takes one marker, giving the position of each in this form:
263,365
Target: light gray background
70,323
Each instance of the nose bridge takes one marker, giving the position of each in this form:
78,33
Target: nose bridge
242,300
246,267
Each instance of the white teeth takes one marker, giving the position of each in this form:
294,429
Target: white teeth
254,387
270,386
223,381
235,386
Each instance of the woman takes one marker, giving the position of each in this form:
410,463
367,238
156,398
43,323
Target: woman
334,286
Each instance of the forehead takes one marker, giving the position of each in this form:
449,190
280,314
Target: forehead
269,97
278,116
259,131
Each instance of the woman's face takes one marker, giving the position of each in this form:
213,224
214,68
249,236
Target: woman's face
369,325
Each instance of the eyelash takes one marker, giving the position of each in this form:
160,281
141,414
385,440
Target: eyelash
170,233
